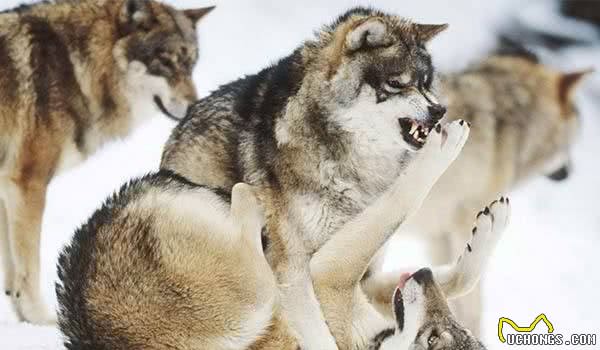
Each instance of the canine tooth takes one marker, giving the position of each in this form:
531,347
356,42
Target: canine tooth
413,128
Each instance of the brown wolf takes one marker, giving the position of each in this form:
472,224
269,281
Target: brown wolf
73,76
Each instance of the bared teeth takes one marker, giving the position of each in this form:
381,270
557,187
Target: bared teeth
417,131
413,128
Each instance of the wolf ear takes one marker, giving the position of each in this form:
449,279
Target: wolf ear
370,33
426,32
135,14
569,81
196,14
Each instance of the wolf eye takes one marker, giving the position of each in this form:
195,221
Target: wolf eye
166,62
166,65
394,86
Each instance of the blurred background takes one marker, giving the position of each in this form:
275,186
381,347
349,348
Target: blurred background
547,261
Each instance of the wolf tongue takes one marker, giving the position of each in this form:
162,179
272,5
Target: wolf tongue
403,279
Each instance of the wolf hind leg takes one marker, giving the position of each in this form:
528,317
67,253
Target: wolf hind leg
25,207
7,263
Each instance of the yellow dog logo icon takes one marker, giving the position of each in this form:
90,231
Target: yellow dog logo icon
529,329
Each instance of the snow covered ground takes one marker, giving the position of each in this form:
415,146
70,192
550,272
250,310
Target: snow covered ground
547,261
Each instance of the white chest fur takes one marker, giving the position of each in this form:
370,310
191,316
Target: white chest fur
377,150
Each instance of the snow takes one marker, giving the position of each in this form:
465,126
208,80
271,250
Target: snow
548,258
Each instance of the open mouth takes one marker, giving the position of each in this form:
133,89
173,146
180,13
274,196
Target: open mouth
399,300
399,309
415,132
164,110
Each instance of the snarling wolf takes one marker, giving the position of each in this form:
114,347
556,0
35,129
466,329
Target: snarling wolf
74,75
167,264
323,133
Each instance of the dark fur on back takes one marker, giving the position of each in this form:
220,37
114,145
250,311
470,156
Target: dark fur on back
259,99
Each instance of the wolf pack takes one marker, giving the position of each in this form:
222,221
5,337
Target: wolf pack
266,224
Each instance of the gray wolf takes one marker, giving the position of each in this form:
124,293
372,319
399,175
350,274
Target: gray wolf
322,133
73,76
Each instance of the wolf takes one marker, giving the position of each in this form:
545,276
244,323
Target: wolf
524,123
323,133
166,263
419,306
74,75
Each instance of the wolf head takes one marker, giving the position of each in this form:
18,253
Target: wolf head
566,84
540,101
378,75
423,318
157,51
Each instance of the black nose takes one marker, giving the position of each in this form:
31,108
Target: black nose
560,175
423,276
437,111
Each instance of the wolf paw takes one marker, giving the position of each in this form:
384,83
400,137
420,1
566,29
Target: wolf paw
31,309
28,303
489,226
441,148
491,222
445,143
8,283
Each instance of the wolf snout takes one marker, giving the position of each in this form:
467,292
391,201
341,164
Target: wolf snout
560,174
423,276
437,111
